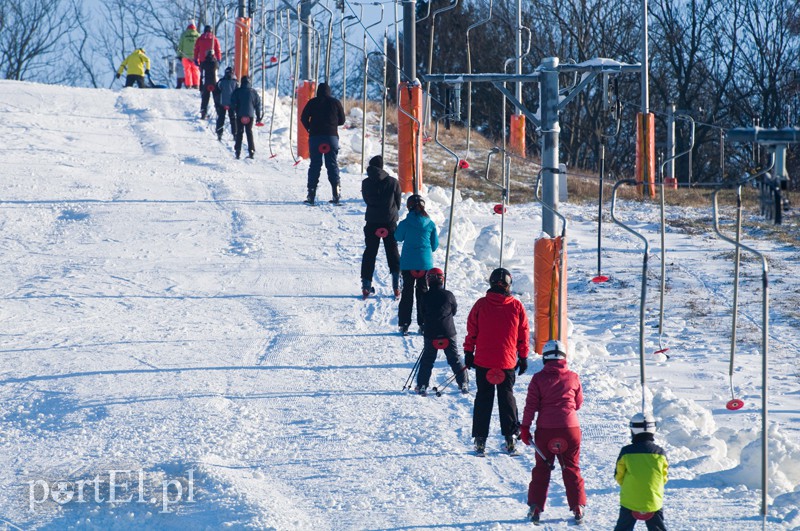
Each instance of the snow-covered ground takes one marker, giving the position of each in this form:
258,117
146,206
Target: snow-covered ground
181,335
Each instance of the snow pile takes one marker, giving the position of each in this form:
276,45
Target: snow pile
784,463
690,430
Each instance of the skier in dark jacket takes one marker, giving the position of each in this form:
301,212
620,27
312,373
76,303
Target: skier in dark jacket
322,117
440,333
496,343
208,81
246,105
381,193
222,101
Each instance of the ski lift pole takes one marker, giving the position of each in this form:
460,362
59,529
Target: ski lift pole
294,77
426,108
345,44
561,267
764,338
633,182
452,193
382,55
364,94
275,94
495,150
469,71
328,43
602,138
661,349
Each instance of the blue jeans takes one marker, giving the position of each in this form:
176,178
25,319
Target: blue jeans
331,163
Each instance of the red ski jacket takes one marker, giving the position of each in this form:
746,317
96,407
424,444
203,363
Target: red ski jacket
554,393
497,331
204,43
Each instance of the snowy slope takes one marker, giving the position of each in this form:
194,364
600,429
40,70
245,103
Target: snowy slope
176,315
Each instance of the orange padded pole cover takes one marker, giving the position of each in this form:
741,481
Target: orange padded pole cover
304,93
241,56
646,151
547,283
409,148
518,134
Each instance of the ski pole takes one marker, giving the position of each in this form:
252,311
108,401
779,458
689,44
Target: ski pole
551,464
414,370
448,382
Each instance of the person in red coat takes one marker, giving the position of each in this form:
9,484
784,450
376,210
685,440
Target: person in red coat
205,42
495,345
554,397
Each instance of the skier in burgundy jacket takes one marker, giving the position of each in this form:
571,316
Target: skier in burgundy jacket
554,397
496,344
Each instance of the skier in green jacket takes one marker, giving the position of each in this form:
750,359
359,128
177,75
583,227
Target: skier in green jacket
186,53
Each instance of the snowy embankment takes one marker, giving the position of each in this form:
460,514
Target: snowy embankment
184,347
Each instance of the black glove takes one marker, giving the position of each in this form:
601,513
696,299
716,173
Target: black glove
147,72
118,76
469,359
522,365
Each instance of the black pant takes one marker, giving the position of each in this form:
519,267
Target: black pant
204,97
373,242
626,521
412,286
484,403
131,79
429,353
241,129
221,120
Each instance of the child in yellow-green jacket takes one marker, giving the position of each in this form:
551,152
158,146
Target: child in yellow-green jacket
641,473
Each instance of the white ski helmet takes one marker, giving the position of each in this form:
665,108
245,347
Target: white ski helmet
643,423
554,350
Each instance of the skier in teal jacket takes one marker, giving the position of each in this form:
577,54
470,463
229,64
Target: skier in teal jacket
420,238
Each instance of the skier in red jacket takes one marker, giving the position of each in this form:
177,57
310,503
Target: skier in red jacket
205,42
554,397
496,343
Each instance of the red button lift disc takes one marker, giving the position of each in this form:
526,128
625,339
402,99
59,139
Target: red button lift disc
441,343
734,404
418,273
495,376
382,232
642,516
599,279
499,209
245,120
324,148
273,59
210,88
557,445
463,164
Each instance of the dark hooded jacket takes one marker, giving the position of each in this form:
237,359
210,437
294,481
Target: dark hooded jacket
323,115
381,193
245,101
225,88
209,68
440,307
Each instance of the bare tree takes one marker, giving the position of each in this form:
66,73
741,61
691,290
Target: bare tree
32,35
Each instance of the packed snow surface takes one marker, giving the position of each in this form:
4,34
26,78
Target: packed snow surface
185,347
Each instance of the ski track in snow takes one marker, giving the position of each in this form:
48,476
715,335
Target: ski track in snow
172,310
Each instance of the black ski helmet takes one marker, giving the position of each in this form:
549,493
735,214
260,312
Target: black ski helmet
500,277
435,277
415,200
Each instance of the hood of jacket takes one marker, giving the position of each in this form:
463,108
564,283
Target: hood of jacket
245,83
373,172
323,89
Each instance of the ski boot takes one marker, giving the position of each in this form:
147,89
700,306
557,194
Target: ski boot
480,446
404,330
251,155
421,390
396,284
464,388
367,290
511,446
310,197
579,514
534,514
336,194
